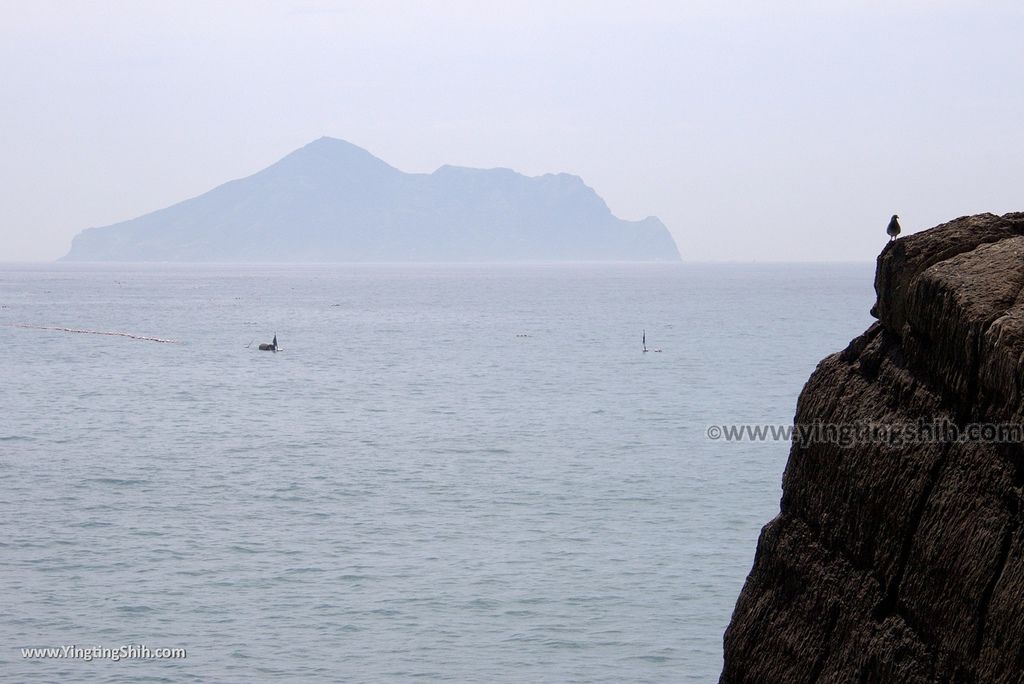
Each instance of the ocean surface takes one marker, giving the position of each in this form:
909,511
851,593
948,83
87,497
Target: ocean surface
448,473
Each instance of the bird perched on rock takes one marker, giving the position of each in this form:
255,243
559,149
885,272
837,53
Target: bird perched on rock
894,227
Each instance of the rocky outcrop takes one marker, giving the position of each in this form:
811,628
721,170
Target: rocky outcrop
903,560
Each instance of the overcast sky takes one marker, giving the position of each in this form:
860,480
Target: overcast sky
768,131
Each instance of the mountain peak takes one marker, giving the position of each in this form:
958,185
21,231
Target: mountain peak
327,142
334,147
330,158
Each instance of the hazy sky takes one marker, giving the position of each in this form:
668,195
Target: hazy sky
763,131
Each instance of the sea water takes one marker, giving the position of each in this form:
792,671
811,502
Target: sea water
447,473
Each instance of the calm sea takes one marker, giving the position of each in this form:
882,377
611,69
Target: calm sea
463,473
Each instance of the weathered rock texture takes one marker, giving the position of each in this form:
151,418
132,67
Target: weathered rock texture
904,563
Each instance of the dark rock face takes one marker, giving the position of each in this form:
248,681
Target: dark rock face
904,562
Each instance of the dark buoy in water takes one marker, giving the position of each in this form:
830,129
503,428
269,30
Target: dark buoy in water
893,228
272,347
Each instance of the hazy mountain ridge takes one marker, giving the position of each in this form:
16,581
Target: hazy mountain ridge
334,201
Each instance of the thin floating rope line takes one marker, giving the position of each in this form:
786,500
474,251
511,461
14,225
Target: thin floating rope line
94,332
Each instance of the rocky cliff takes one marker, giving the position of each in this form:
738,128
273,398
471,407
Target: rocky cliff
903,560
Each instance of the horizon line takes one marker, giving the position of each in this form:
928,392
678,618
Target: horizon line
533,262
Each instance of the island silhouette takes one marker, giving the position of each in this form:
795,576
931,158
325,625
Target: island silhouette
332,201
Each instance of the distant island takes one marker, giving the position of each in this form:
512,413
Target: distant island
332,201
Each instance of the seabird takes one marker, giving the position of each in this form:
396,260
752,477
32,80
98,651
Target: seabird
272,347
894,227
